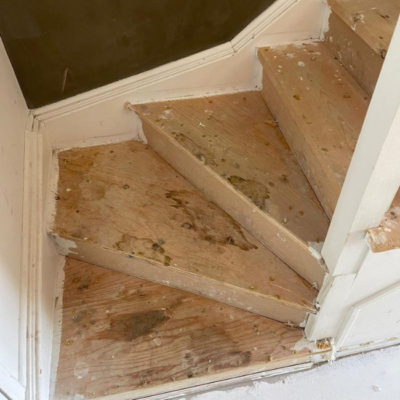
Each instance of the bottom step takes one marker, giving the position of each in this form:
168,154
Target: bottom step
121,334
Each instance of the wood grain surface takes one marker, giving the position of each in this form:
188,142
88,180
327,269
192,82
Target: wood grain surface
120,333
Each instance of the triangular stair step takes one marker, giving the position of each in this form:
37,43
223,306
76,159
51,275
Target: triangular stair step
124,336
123,207
230,147
320,109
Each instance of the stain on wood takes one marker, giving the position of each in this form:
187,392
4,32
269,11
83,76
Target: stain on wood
212,226
138,215
136,335
130,326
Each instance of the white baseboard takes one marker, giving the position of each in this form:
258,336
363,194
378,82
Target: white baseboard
57,326
40,262
366,347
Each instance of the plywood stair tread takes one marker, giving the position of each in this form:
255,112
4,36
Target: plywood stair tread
121,334
387,235
236,141
123,207
320,109
373,21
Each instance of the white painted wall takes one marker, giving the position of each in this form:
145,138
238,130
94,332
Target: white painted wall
13,118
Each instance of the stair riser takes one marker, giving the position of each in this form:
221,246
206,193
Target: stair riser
363,63
320,109
247,300
324,185
266,229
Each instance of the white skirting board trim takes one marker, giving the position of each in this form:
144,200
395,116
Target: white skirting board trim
40,265
31,255
57,327
364,348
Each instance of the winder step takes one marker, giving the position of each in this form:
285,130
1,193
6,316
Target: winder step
231,148
121,334
320,109
123,207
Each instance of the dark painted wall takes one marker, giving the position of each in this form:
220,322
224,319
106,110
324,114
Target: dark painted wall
59,48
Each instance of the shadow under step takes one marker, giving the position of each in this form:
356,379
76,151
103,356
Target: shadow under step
123,207
320,109
151,339
231,149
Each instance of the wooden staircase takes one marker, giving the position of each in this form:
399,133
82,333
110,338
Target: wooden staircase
231,198
265,171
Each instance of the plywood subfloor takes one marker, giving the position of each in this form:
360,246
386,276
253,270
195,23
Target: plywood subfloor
387,235
320,109
237,137
126,208
120,334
